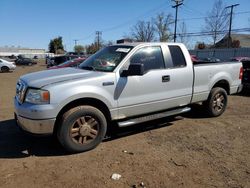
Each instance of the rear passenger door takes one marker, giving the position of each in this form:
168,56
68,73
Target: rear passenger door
178,90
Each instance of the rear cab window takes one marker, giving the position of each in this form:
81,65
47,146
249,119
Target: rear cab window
177,56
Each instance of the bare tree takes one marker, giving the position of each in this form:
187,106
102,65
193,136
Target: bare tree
162,26
143,31
183,33
217,20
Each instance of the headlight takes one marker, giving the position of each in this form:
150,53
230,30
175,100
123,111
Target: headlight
37,96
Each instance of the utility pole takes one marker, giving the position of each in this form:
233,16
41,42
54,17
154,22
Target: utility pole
230,24
76,41
178,3
98,37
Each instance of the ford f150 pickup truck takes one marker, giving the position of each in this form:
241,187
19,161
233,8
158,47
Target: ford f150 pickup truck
127,84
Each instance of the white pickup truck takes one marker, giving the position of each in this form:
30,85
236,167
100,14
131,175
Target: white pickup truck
127,84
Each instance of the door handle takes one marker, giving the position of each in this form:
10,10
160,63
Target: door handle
166,78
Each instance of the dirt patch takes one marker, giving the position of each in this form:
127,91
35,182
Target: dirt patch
185,151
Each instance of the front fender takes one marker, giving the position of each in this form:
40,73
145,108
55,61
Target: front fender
62,95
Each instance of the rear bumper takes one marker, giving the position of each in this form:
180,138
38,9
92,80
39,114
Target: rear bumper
40,127
240,87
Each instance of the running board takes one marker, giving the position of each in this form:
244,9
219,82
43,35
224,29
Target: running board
153,117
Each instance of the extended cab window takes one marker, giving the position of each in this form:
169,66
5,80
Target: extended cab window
151,57
178,58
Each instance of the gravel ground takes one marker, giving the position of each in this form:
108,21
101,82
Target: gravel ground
185,151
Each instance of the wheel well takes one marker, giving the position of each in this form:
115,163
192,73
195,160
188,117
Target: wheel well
84,101
223,84
4,67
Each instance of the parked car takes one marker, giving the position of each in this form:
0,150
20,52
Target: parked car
70,63
240,59
246,73
60,59
246,70
6,66
194,58
208,60
126,84
25,61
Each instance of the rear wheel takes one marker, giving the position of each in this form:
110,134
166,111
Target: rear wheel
217,102
5,69
82,129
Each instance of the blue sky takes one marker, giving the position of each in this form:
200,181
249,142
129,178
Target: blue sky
32,23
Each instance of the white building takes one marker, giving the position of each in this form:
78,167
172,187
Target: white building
27,52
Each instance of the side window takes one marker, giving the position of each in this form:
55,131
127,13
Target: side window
177,56
151,57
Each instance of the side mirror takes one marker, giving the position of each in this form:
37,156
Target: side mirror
135,69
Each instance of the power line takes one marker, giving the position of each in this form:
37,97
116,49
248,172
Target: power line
146,13
199,18
208,33
192,10
133,19
127,22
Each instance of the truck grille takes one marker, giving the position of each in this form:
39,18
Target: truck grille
20,91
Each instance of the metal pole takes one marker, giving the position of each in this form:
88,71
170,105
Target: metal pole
98,34
230,24
75,42
176,15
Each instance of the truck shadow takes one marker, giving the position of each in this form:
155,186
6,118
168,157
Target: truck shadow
14,143
245,92
198,111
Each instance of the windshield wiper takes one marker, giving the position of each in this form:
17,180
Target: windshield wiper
88,68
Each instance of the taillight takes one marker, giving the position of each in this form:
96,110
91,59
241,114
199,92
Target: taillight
241,73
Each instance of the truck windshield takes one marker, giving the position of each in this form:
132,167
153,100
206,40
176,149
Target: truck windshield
107,59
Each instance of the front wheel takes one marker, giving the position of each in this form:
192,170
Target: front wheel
5,69
217,102
82,129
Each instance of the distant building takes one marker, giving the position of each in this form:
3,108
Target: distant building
27,52
237,41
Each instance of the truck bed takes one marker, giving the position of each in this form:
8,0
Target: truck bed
207,74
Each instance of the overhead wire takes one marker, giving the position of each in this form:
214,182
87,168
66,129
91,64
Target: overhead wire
209,33
127,22
156,9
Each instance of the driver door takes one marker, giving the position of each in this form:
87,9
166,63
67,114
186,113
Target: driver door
143,94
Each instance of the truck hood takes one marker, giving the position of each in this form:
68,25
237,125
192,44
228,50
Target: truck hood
43,78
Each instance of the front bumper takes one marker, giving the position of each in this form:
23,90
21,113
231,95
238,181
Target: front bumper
12,68
41,127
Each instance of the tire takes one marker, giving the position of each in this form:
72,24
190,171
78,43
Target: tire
5,69
217,102
82,129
